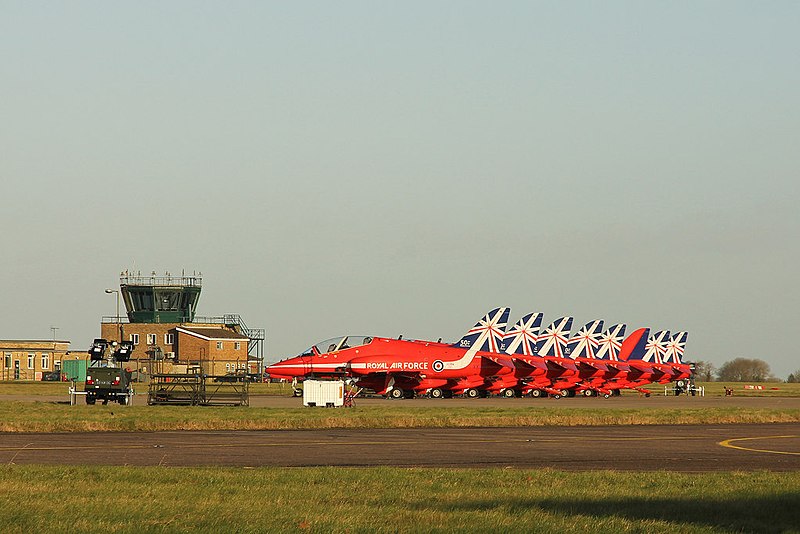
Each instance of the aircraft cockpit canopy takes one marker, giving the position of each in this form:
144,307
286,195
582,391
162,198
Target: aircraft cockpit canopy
338,343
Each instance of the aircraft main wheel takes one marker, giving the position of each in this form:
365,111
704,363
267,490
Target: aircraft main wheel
570,393
508,393
565,393
396,393
536,393
646,394
617,393
123,400
90,399
436,393
588,393
472,393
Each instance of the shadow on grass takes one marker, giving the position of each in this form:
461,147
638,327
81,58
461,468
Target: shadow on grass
778,513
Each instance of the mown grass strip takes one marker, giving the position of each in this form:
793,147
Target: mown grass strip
48,417
126,499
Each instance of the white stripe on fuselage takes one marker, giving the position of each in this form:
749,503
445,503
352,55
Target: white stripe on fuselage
468,356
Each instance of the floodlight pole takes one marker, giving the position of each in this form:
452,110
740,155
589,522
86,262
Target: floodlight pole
119,324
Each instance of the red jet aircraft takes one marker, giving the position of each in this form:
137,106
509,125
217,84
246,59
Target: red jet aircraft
399,368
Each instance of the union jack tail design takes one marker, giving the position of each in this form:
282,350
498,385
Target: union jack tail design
635,345
487,334
553,341
611,343
675,347
584,343
522,337
656,346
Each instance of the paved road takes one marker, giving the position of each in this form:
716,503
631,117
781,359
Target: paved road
680,448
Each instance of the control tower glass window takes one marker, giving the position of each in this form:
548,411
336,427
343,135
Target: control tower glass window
167,300
142,300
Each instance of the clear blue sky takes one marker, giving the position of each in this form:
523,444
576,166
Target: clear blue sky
402,167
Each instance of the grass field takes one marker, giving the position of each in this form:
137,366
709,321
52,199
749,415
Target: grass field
108,499
49,417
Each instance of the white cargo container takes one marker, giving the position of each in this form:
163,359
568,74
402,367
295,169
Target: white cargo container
327,393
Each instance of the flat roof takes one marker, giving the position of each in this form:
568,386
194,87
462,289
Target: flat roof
212,333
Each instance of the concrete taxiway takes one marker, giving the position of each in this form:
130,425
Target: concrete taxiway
690,448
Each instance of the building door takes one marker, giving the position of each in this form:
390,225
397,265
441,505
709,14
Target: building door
16,369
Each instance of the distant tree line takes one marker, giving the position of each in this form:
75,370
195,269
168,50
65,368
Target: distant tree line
739,370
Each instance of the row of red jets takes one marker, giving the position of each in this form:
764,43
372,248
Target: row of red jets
490,359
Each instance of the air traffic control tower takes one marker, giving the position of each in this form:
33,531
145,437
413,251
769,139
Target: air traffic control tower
162,326
160,299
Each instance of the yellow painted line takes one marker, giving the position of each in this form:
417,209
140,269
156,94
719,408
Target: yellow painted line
729,443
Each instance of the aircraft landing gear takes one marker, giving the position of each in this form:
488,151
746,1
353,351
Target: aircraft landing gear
472,393
536,393
436,393
396,393
509,393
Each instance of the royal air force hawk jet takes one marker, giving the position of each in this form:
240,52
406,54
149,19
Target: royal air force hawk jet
590,361
399,368
554,363
521,361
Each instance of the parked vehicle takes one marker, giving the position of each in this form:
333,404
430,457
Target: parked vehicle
108,384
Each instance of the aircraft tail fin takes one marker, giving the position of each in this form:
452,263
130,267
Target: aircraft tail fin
675,348
522,337
656,347
553,341
611,343
584,343
634,346
487,334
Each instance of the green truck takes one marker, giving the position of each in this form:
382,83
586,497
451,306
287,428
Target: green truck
108,384
105,379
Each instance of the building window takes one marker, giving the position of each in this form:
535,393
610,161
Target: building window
169,339
31,358
8,360
219,345
151,339
45,360
237,345
135,339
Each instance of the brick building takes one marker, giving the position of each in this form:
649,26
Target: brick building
28,359
167,337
